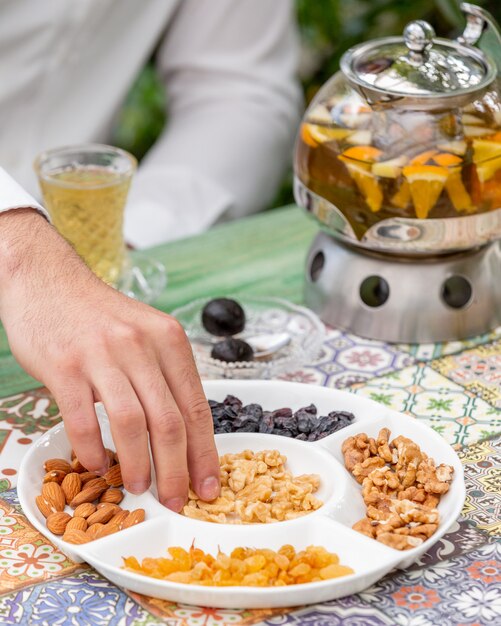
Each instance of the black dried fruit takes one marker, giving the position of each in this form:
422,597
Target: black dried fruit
285,412
266,424
231,416
233,402
243,420
255,410
232,350
223,317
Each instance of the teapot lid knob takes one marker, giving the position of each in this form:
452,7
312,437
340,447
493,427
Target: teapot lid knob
418,36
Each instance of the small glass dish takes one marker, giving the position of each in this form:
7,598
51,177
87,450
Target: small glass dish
263,316
142,278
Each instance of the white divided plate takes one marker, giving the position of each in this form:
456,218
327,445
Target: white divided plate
329,526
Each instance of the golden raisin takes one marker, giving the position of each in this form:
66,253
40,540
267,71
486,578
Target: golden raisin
245,566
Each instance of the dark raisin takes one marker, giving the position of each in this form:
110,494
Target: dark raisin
223,317
248,428
266,424
253,409
311,409
305,422
232,350
233,402
224,427
243,420
286,423
302,437
284,412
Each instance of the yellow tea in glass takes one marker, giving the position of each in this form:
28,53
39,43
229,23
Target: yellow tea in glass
85,189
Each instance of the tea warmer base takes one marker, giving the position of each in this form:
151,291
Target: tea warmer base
404,299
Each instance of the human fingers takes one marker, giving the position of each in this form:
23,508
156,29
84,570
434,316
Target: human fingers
76,403
167,433
128,426
184,382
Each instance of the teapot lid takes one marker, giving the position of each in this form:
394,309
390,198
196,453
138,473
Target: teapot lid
420,65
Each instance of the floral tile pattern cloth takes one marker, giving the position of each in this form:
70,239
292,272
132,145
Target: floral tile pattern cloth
482,465
346,359
26,557
85,598
454,388
460,416
478,370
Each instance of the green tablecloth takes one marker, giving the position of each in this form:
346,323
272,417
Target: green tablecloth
260,255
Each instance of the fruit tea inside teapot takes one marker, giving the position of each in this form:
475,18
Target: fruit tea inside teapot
409,128
398,158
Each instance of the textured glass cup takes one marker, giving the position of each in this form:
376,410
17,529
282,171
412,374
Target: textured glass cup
85,190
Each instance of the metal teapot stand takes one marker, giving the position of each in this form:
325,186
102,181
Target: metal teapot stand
404,299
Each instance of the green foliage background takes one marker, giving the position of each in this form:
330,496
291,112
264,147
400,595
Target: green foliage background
327,28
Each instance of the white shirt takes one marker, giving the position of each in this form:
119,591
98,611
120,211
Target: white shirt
233,103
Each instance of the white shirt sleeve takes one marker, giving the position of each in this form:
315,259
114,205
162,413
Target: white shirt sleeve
13,196
233,105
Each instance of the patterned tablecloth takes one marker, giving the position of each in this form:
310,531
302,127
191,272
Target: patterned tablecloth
455,388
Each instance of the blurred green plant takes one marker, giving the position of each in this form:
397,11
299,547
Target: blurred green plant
327,28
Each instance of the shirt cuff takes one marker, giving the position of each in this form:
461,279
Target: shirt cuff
168,203
13,196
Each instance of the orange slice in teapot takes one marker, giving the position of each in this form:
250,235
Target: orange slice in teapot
391,168
426,183
487,156
403,196
313,134
367,185
495,137
454,185
364,154
447,160
423,157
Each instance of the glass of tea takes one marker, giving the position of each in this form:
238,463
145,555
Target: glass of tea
85,189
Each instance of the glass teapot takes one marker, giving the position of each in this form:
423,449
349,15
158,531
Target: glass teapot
400,151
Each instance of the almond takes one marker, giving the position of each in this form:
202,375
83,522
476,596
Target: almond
53,494
114,496
86,476
111,457
71,486
84,510
119,518
76,536
55,476
57,464
114,476
134,517
76,466
88,494
44,507
115,507
93,530
99,481
77,523
56,522
73,455
107,529
102,515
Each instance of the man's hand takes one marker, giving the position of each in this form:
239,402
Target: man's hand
87,342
